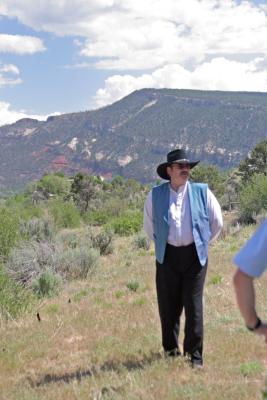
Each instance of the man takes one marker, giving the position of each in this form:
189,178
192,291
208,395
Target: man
181,217
251,261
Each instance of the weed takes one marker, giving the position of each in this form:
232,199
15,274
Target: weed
52,309
226,319
119,294
250,368
264,392
47,284
215,279
132,286
81,294
141,241
140,302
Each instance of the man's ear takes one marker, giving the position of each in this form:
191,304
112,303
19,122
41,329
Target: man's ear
168,169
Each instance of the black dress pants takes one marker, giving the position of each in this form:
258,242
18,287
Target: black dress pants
179,282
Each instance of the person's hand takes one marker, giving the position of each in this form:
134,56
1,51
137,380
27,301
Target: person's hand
262,330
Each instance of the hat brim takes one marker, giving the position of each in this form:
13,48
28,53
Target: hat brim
162,169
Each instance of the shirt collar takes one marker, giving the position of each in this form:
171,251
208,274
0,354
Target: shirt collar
181,189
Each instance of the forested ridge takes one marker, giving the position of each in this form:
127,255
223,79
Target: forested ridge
130,137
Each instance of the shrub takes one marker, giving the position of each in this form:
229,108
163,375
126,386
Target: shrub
128,223
47,284
23,207
36,229
27,211
29,260
67,239
65,214
104,242
141,241
115,206
71,240
76,263
8,231
14,299
96,217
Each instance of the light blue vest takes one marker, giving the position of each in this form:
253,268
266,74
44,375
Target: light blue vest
197,193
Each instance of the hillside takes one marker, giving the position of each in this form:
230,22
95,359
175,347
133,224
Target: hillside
133,135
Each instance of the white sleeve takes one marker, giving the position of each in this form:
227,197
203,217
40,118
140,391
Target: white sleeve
252,257
148,221
215,216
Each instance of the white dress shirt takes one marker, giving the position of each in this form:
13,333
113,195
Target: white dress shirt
179,217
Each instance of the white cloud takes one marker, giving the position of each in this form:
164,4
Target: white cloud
18,44
218,74
62,17
208,44
9,68
5,78
138,34
8,115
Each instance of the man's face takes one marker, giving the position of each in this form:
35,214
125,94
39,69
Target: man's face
178,173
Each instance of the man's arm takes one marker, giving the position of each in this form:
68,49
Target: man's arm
215,216
245,296
147,220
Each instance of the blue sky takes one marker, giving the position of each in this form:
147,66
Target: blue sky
59,56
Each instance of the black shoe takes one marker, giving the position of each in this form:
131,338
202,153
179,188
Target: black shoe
172,353
195,360
197,364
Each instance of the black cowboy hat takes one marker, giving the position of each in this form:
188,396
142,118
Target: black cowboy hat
177,156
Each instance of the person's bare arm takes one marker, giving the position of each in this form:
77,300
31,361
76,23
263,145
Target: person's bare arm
245,296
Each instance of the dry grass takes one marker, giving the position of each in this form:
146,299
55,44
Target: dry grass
101,340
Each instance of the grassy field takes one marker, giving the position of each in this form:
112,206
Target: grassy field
100,339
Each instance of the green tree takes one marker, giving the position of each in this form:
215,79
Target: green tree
253,197
83,190
255,162
211,175
232,187
117,181
52,185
